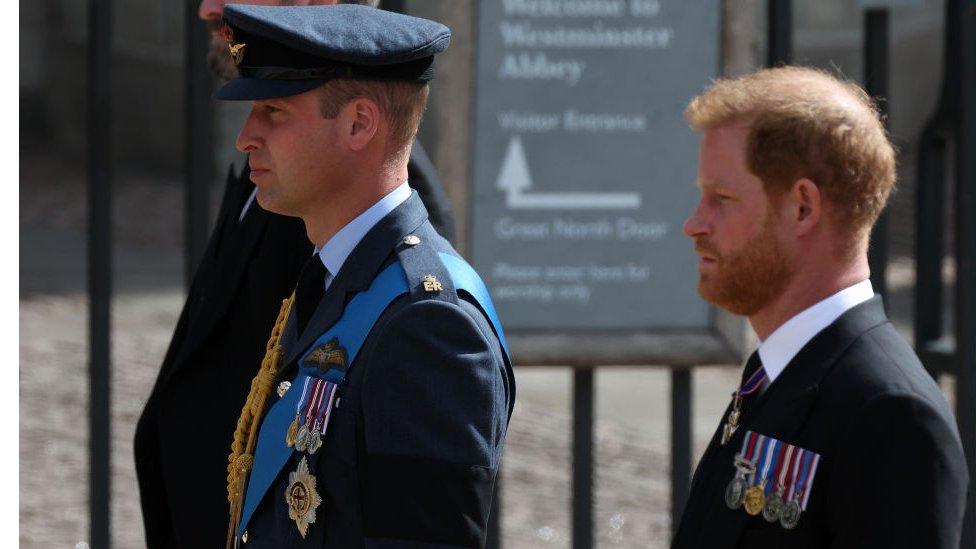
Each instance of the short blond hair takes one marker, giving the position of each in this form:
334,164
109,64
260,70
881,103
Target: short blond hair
805,122
402,104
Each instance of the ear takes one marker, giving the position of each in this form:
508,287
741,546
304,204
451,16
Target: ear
806,206
361,122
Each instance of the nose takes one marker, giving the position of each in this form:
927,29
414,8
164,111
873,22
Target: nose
249,138
696,225
211,10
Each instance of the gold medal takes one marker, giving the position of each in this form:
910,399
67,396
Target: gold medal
302,498
292,435
755,500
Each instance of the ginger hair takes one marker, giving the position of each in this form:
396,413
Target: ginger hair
807,123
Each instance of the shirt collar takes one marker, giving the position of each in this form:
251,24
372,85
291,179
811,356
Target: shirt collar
334,253
786,341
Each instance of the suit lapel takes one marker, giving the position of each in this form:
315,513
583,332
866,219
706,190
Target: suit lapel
223,282
780,412
359,269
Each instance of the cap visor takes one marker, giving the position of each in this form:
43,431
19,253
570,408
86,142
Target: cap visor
250,89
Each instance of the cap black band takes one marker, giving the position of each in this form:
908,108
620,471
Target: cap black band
288,73
420,70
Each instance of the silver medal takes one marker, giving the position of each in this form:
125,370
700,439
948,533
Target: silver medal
790,515
773,509
314,441
735,492
301,442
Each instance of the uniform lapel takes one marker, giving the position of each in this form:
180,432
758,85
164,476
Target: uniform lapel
781,412
362,265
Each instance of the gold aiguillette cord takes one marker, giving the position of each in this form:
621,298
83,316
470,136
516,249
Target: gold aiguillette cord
248,424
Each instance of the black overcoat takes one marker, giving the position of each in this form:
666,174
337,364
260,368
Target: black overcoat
892,473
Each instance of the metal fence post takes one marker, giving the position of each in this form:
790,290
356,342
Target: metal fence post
876,84
681,441
99,267
198,140
582,458
966,254
779,47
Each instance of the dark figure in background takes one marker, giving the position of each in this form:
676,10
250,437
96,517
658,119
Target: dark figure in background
837,437
251,264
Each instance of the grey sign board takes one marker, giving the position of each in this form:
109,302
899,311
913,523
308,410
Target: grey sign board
584,167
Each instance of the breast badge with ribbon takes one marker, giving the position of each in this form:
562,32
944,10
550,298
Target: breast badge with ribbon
772,478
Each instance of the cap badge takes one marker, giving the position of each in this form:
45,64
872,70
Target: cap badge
237,52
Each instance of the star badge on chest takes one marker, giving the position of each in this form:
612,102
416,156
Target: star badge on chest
302,498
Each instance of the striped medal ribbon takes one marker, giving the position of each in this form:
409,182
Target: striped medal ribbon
291,437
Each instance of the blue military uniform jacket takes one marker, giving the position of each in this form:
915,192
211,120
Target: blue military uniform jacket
415,436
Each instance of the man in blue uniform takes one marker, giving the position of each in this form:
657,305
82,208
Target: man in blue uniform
381,408
252,262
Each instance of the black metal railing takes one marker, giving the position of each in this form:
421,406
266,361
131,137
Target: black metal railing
949,139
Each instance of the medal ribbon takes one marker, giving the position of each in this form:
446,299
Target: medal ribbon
760,458
778,464
801,481
329,400
769,452
808,481
795,474
757,450
302,399
328,391
747,444
784,468
312,404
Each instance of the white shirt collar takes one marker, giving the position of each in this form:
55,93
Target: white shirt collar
338,248
786,341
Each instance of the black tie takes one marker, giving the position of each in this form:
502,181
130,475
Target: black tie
309,291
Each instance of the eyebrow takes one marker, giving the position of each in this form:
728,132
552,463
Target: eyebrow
708,184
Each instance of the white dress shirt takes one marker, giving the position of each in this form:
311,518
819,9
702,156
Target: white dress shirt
786,341
247,205
334,253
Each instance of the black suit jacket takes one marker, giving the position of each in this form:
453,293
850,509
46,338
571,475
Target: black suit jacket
183,435
892,473
410,456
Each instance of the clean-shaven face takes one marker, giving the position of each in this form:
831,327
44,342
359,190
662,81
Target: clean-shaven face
292,151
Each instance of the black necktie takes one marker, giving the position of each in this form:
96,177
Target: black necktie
309,291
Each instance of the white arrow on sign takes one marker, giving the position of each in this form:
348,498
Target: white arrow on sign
515,179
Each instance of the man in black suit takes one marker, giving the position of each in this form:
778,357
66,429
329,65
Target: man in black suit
837,437
379,414
251,264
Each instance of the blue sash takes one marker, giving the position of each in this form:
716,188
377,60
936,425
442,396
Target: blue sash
358,318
